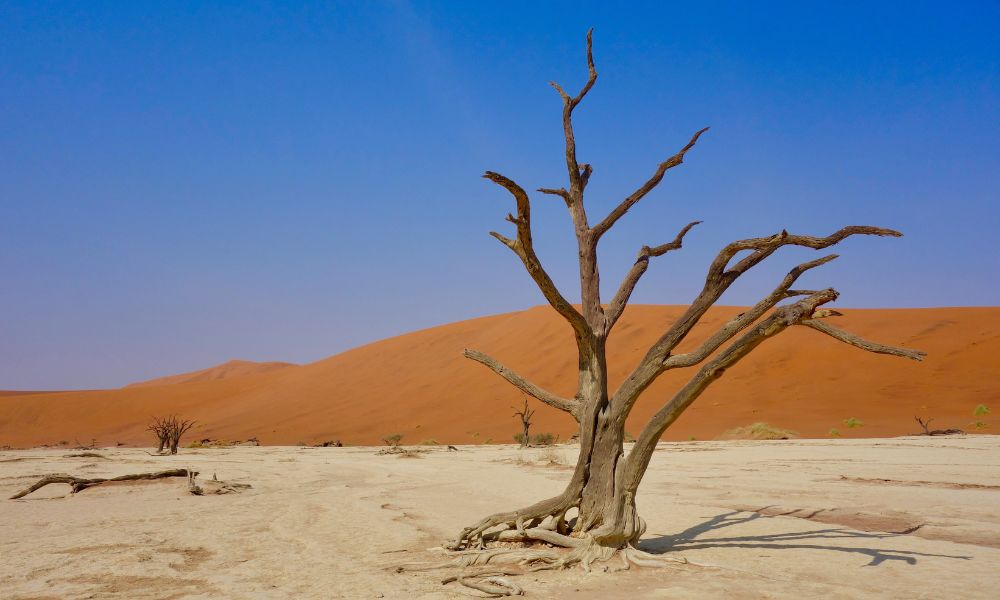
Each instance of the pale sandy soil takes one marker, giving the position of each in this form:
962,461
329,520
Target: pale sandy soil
331,522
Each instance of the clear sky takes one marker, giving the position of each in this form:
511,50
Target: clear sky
184,183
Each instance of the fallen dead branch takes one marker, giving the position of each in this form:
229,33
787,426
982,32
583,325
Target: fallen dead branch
79,484
85,455
925,425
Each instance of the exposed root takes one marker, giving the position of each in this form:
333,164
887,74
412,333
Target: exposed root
492,583
584,552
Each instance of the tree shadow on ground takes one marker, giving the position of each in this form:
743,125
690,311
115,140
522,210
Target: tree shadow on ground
794,540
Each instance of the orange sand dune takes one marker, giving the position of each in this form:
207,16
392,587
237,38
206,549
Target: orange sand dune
419,385
228,369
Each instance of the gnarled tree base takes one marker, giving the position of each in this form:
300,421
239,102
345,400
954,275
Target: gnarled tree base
484,557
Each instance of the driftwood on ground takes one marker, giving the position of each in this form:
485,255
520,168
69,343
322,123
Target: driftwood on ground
78,484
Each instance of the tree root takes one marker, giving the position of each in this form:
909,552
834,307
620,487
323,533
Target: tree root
583,552
79,484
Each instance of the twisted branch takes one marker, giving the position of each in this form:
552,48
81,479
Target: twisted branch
620,301
564,404
620,210
849,338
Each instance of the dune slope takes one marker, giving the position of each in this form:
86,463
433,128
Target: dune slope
228,369
419,385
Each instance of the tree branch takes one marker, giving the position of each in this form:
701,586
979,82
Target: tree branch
577,176
744,319
620,210
849,338
764,247
525,250
564,404
718,280
780,319
620,301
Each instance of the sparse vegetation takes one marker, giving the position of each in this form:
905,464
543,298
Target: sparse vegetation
980,411
393,439
539,439
853,423
430,442
980,424
551,456
758,431
834,432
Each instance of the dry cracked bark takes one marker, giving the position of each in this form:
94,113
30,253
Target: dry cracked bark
605,480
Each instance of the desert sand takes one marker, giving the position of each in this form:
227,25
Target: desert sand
420,385
878,518
228,369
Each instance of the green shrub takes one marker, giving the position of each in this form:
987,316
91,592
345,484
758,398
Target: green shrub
834,432
980,411
853,422
393,440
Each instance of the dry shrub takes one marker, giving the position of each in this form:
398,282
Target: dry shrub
758,431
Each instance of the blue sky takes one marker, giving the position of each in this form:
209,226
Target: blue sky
183,183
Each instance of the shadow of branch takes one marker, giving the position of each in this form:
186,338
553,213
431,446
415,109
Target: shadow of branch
688,540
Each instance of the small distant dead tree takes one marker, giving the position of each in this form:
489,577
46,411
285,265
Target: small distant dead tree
603,486
159,427
525,415
177,429
168,431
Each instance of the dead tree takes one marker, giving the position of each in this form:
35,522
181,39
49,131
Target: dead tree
525,415
177,429
168,431
605,481
159,427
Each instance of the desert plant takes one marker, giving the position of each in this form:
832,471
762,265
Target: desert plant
853,423
604,484
393,439
980,424
543,439
429,443
758,431
834,432
980,411
551,456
